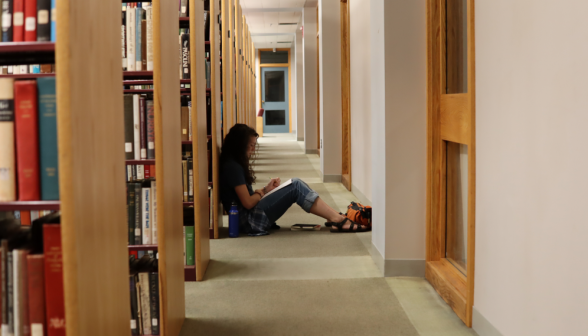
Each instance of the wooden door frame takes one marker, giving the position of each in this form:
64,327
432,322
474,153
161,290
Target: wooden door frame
276,65
455,288
345,96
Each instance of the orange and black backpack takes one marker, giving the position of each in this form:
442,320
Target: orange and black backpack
359,213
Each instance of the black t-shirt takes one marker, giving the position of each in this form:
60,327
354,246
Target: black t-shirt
232,175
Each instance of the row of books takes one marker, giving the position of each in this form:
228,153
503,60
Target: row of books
28,21
139,122
140,172
142,212
28,140
26,217
137,87
188,179
31,283
137,36
144,290
27,69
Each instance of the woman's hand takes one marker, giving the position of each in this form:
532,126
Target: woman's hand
273,183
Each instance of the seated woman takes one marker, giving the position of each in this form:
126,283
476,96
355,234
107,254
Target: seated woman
257,214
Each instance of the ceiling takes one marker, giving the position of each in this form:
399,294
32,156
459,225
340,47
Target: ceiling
264,17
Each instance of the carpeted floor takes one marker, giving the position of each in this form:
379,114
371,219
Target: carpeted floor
307,283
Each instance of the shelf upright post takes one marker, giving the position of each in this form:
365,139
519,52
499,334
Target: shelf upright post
225,63
230,61
215,111
168,158
91,168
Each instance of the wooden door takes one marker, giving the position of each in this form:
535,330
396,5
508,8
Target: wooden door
345,97
451,153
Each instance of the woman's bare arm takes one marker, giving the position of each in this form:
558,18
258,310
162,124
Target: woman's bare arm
248,201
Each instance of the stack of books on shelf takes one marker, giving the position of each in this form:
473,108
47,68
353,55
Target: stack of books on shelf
31,286
144,288
142,212
137,36
28,140
27,217
188,176
27,69
139,127
28,21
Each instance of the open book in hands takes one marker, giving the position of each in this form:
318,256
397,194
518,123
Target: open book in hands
285,184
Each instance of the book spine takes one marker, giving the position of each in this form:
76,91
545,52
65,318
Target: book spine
146,216
146,171
149,32
186,56
184,241
154,213
131,212
53,20
144,44
143,127
138,16
138,214
48,139
190,180
30,12
7,152
140,172
184,8
129,128
44,20
190,120
184,122
136,127
54,280
10,292
154,300
189,245
18,21
4,286
130,38
139,310
185,179
27,140
123,36
21,297
7,20
150,130
145,306
36,283
133,289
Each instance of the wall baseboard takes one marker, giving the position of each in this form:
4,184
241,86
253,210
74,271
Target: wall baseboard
398,267
300,138
311,151
331,178
360,196
482,326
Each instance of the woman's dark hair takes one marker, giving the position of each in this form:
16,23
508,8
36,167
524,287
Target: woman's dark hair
235,148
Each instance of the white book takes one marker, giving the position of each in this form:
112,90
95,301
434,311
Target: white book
24,69
136,126
145,304
149,14
153,213
21,298
131,39
146,215
129,173
140,172
285,184
16,69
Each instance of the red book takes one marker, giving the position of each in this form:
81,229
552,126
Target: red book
25,217
147,171
135,253
55,315
27,140
36,274
152,170
18,21
30,13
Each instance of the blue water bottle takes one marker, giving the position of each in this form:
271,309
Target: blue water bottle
234,221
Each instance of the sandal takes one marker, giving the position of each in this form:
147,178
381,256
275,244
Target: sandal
354,227
329,224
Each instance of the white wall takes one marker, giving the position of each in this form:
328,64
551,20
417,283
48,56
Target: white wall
360,99
399,110
532,159
299,62
310,79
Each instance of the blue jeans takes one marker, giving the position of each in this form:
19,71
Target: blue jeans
276,204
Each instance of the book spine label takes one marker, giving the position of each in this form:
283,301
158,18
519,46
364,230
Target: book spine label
185,56
131,212
150,130
136,127
129,128
54,280
27,140
36,283
44,20
48,139
7,20
138,16
30,10
7,152
138,214
145,306
143,127
53,20
130,38
153,213
189,245
140,172
18,21
146,216
154,300
149,32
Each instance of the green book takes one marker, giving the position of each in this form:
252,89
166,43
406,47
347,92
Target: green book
189,245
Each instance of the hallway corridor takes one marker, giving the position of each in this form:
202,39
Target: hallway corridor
307,283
